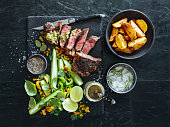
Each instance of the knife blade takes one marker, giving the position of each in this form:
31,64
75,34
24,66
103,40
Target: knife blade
72,20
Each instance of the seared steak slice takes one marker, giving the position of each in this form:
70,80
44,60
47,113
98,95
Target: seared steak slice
81,39
73,37
89,44
84,64
51,33
64,35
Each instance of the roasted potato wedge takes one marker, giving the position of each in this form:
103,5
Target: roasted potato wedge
142,25
122,31
114,45
120,41
119,23
139,33
127,38
137,44
113,35
129,30
126,50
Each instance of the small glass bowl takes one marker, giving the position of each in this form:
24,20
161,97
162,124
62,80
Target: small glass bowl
86,88
39,55
127,66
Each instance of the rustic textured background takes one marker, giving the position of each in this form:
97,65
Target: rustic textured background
146,106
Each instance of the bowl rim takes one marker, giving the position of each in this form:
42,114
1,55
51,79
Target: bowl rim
109,45
133,71
43,59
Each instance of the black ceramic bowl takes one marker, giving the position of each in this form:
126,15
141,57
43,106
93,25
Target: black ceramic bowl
150,34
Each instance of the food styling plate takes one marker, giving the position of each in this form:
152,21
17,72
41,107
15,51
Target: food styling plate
95,28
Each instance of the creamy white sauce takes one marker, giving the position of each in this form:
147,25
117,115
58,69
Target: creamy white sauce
120,78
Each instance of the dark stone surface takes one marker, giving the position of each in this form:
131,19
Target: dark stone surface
146,106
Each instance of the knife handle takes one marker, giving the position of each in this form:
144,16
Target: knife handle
86,18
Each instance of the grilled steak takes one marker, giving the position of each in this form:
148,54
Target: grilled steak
64,35
73,37
51,33
84,64
81,39
89,44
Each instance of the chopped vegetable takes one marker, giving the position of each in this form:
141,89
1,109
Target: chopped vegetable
41,76
54,70
77,79
40,105
45,87
67,64
60,64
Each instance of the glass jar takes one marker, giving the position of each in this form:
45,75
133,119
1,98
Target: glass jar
88,85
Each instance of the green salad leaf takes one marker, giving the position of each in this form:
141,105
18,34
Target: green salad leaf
61,73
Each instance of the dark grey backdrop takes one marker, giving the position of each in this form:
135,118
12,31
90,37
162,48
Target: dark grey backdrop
146,106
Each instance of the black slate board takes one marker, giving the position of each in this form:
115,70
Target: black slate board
95,28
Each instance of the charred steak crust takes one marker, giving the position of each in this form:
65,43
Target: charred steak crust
83,66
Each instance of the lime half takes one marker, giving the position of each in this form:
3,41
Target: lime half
76,93
70,105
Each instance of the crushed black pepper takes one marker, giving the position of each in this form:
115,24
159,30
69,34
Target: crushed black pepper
36,64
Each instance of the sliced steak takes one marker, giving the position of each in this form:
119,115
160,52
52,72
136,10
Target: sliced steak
89,44
51,33
64,35
81,39
84,64
73,37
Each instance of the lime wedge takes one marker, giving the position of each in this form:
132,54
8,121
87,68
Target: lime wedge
30,88
32,102
76,94
43,48
70,105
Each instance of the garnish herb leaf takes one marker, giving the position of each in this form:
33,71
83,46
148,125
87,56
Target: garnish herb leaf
43,48
37,43
41,76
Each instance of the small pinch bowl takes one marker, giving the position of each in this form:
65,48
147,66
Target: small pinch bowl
127,66
45,60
